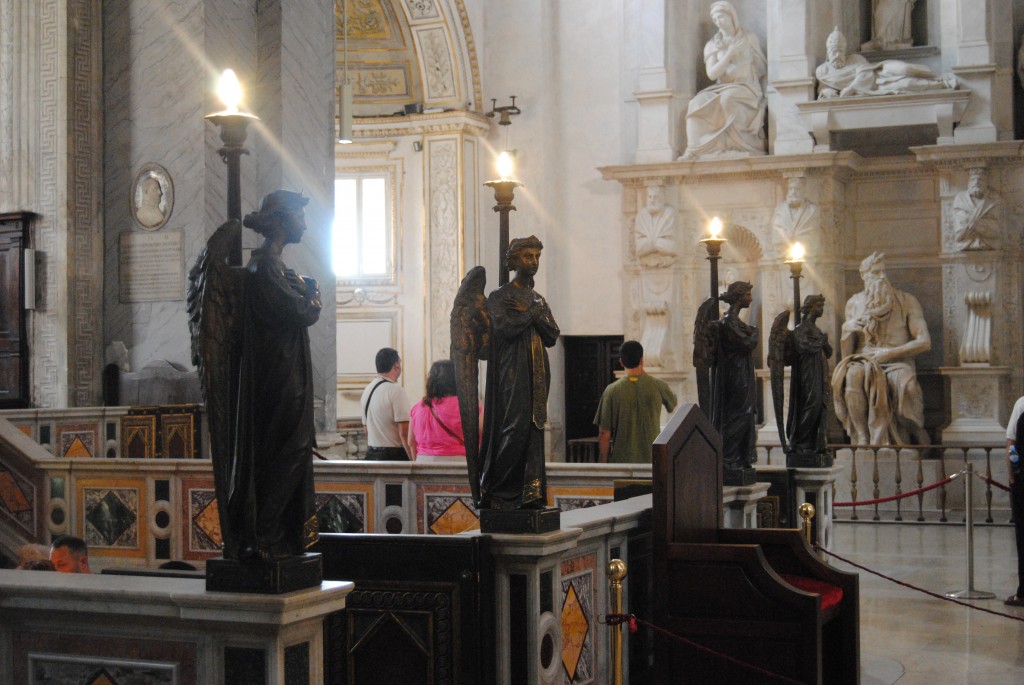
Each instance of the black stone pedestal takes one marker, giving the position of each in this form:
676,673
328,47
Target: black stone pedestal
519,521
740,476
264,577
809,460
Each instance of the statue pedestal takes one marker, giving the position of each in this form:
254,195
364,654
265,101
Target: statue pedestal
739,476
815,486
740,504
975,400
264,577
528,521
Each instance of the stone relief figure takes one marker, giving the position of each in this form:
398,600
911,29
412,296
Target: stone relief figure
843,75
877,397
655,230
890,25
513,326
250,341
977,224
728,117
796,218
807,350
723,353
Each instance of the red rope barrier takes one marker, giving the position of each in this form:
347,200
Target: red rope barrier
617,619
918,589
992,482
911,493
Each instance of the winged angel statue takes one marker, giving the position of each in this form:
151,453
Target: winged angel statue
251,345
806,349
510,329
726,388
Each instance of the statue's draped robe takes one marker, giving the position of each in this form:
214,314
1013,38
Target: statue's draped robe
515,405
729,115
271,500
810,393
894,398
734,413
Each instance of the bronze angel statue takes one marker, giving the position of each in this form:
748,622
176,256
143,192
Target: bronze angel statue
807,350
511,329
723,354
250,341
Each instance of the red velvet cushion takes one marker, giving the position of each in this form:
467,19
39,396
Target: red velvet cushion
830,594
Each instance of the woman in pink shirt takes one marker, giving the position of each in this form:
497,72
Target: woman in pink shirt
435,429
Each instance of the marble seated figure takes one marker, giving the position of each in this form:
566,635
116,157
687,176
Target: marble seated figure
844,75
890,25
727,118
877,397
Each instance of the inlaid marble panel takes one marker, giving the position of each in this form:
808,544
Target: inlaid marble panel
200,512
445,510
17,499
110,515
77,440
578,619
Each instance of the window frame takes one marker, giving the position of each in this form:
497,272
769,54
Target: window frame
389,174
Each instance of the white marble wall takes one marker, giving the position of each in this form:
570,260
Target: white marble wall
162,62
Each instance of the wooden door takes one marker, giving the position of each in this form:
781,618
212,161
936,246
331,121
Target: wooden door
13,338
590,365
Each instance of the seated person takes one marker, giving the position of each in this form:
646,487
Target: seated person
435,428
70,555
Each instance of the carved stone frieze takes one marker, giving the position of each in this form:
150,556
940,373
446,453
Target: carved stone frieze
439,77
443,232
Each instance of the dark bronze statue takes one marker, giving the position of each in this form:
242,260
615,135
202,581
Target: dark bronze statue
251,344
723,354
512,328
807,350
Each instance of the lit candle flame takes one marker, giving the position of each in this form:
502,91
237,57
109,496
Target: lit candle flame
797,252
505,165
715,228
229,90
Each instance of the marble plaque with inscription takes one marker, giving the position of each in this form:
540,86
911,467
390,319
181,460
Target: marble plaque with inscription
152,266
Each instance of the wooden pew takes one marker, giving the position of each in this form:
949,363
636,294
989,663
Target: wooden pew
733,591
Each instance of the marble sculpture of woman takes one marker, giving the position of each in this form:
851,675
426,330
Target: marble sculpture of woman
728,117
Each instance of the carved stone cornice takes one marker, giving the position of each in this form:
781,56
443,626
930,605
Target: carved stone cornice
469,123
710,171
957,157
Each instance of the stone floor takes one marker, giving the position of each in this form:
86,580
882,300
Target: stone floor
910,638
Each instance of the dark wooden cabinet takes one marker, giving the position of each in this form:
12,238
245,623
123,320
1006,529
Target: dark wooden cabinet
14,368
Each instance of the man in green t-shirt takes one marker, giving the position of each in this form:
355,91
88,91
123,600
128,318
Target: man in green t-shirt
628,416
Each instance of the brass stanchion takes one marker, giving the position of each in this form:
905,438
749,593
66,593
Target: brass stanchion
806,511
616,572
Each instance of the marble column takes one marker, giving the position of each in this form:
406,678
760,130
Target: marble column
295,65
655,90
791,75
979,36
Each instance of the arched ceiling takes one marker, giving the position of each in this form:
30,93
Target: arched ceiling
407,52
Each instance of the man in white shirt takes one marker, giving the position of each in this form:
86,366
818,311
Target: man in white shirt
386,411
1014,427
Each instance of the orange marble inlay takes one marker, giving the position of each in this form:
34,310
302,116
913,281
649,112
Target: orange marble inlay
457,518
574,631
208,521
77,450
11,494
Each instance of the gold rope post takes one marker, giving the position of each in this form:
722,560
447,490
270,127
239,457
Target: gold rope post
616,572
806,511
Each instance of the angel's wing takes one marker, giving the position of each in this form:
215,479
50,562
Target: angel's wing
780,349
214,304
705,349
470,331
